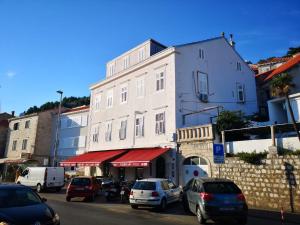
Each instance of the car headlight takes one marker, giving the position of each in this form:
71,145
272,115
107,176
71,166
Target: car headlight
55,218
4,223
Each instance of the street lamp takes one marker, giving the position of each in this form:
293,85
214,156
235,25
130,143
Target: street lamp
57,128
134,119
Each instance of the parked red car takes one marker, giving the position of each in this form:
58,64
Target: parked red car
83,186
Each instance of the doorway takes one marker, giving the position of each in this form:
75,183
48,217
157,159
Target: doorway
160,167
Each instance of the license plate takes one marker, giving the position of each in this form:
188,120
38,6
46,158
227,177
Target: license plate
122,192
226,209
141,201
79,189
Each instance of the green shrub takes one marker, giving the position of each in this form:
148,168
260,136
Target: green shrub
253,157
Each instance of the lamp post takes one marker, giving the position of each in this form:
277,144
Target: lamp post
134,119
57,128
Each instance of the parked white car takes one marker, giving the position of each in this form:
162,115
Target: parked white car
154,192
42,178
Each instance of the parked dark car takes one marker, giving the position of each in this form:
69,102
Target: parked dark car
84,186
213,198
20,205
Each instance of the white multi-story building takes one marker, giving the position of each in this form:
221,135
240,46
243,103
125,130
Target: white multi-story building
72,133
152,90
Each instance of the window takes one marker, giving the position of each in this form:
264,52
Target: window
160,81
27,124
108,131
139,127
124,91
126,62
111,70
14,145
122,131
24,144
97,102
238,66
109,98
75,143
240,93
95,134
141,55
160,123
201,53
203,86
16,126
140,87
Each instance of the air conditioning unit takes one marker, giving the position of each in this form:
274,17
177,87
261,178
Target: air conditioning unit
204,97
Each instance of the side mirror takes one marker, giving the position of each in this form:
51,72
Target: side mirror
44,199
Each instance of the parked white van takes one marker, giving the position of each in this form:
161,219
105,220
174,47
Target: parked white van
42,178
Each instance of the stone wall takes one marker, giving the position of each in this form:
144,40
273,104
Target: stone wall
272,185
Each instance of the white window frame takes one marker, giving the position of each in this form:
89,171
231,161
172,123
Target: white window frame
126,62
97,102
109,98
139,126
141,54
108,131
160,81
24,144
140,87
123,129
123,93
203,83
95,133
240,92
111,69
160,123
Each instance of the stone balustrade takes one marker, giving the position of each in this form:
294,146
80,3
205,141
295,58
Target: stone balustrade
197,133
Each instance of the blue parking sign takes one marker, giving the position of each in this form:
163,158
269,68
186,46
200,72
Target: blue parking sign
218,154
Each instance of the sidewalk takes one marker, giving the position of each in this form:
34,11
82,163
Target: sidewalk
275,216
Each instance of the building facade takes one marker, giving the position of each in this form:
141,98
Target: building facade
72,133
152,90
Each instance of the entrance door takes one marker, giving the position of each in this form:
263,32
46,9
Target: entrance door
194,167
160,167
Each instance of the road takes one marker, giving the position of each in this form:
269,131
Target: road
100,212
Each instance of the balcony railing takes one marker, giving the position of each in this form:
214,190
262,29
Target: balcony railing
198,133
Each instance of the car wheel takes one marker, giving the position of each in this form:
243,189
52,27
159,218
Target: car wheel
200,218
163,204
68,198
18,182
39,188
242,221
134,206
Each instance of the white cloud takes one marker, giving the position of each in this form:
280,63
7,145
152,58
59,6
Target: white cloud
11,74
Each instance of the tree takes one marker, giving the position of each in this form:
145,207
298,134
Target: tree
293,51
228,120
281,86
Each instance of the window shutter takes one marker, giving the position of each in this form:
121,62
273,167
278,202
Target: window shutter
81,142
203,84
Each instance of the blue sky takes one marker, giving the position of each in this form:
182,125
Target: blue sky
64,44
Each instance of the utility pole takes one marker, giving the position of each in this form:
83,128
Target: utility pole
57,129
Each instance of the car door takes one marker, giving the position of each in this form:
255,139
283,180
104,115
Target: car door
174,191
193,195
166,190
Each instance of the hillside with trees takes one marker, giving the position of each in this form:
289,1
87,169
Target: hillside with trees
68,102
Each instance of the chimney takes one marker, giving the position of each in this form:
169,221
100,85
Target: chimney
13,113
231,42
223,34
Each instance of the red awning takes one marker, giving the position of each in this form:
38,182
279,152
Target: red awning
138,157
91,158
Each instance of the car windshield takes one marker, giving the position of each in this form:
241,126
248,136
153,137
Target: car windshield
221,188
81,181
18,197
144,185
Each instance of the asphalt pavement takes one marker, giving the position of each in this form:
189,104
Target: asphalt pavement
100,212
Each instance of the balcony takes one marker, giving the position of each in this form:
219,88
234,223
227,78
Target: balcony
197,133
